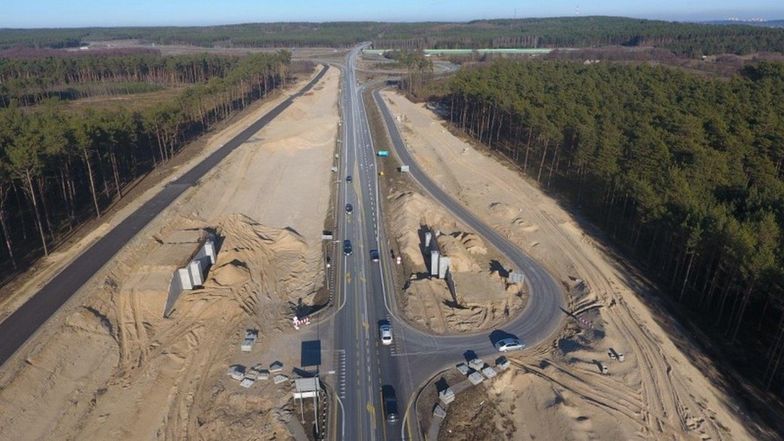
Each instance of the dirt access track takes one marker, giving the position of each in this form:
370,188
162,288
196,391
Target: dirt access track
109,366
556,391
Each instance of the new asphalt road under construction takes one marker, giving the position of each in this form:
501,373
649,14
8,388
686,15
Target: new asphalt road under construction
18,327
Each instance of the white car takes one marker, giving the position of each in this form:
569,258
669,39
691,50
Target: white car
385,331
508,344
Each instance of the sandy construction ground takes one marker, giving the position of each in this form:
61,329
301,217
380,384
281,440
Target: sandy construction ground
483,298
557,392
110,367
48,266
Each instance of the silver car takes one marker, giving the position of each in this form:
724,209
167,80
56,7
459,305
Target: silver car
508,344
385,332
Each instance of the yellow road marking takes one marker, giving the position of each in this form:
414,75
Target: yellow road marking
348,277
372,411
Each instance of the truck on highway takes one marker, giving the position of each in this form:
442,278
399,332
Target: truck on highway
383,153
390,403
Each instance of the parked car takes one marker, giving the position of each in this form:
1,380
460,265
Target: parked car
385,333
374,255
348,178
349,208
508,344
347,247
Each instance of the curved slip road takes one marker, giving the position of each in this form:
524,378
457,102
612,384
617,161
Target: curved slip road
542,315
18,327
426,354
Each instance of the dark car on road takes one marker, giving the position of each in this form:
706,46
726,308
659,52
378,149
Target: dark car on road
390,403
349,208
374,255
347,247
348,178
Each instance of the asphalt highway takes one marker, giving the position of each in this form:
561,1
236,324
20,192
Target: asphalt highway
17,328
359,378
414,356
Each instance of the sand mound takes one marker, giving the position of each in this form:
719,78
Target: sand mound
460,258
482,299
164,366
473,243
233,273
410,211
501,209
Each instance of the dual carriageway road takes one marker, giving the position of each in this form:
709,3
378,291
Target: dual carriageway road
366,300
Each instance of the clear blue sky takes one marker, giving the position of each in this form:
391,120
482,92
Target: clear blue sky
72,13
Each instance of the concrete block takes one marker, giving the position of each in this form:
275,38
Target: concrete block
209,250
476,364
276,367
195,271
447,395
434,263
277,379
476,378
489,372
463,368
439,412
185,278
443,266
237,372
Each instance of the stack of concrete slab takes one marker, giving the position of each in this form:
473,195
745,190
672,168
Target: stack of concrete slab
439,412
447,395
237,372
502,363
489,372
476,364
247,382
275,367
463,368
259,372
476,378
277,379
251,335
